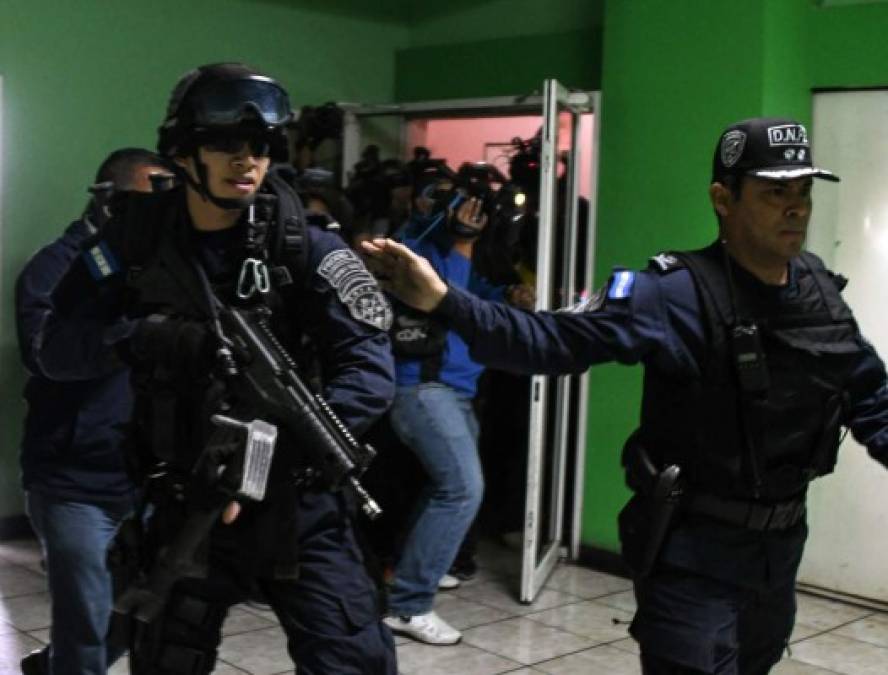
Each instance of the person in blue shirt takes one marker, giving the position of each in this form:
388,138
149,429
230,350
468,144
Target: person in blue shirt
433,415
753,366
147,290
77,490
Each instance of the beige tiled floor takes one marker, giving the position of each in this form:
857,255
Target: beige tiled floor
576,627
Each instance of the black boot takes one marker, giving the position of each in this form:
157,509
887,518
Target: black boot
36,663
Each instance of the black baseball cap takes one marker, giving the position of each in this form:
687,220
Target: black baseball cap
766,147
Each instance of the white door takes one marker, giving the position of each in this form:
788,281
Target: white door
848,511
557,407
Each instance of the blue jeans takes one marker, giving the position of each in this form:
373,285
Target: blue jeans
75,537
439,425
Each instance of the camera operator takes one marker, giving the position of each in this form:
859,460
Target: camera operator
433,412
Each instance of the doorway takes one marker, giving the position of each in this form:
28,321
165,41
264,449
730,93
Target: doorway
483,129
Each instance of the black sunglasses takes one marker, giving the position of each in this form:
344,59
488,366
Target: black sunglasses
260,146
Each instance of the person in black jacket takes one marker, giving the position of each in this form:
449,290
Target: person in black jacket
76,488
753,365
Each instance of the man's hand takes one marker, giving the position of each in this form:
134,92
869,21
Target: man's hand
401,272
471,214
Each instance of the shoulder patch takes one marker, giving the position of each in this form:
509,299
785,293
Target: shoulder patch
621,284
100,261
356,288
665,263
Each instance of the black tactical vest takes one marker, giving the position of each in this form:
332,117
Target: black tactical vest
768,444
172,410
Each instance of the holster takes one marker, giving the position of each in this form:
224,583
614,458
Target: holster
645,521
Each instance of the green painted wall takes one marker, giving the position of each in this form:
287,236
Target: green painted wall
498,48
459,21
848,46
82,78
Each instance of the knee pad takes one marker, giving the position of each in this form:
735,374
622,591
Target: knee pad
182,641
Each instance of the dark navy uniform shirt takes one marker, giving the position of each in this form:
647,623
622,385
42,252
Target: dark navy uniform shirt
73,426
639,317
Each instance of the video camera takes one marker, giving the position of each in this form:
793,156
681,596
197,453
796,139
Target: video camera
502,201
524,164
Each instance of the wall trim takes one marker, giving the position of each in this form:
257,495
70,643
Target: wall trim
604,561
15,527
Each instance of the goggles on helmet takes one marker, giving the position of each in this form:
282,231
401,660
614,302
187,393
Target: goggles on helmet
231,102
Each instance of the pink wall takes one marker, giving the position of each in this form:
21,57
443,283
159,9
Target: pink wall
488,139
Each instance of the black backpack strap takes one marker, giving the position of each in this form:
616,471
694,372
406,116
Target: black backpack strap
707,266
707,269
289,244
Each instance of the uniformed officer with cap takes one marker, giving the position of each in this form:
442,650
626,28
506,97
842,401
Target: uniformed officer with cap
147,289
753,366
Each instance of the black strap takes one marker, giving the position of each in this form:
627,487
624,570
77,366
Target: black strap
747,514
711,269
164,444
289,247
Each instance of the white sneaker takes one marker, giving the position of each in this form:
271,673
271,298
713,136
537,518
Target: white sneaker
448,582
429,628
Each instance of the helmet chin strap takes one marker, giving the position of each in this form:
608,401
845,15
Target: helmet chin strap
202,186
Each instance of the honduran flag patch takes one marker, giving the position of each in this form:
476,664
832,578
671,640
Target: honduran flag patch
621,285
101,261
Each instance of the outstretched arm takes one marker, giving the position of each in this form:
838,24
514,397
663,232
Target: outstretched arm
626,327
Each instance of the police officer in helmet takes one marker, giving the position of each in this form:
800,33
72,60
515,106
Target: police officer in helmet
753,366
143,290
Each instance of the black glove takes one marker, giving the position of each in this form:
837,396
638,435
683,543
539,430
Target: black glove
217,474
175,344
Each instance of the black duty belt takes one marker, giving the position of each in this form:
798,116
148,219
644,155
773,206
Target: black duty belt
750,515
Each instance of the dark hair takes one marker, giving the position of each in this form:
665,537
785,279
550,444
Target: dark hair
119,166
734,183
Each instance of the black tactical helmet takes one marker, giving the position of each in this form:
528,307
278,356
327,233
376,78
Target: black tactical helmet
224,97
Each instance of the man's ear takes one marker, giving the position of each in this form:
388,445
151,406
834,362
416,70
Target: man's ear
721,198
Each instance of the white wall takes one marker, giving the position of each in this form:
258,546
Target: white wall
848,512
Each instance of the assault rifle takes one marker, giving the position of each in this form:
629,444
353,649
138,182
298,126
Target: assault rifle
270,382
266,379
